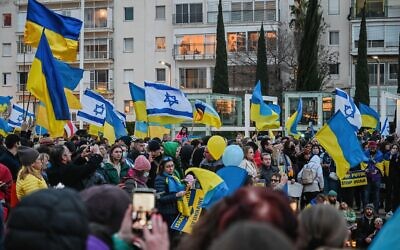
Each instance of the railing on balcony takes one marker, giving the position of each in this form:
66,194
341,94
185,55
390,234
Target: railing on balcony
194,51
93,55
249,16
388,11
187,18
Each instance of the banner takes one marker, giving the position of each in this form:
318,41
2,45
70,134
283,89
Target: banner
354,179
194,200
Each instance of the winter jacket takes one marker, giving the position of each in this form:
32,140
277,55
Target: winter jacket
29,184
72,175
318,184
250,167
111,173
167,203
267,172
11,162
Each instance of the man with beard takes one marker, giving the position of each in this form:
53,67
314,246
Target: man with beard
332,199
365,227
155,157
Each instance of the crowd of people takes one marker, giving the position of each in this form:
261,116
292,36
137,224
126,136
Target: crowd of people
77,193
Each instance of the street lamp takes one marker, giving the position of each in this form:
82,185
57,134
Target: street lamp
169,70
378,83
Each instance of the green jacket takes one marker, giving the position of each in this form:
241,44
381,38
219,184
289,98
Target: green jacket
111,173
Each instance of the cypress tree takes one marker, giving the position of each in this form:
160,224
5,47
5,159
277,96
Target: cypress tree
308,78
220,83
362,77
262,70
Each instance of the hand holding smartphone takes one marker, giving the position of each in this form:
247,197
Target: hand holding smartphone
143,204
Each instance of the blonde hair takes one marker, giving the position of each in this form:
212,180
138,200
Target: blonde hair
25,170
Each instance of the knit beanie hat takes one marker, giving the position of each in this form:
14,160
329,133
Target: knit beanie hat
153,145
27,155
170,148
109,213
142,164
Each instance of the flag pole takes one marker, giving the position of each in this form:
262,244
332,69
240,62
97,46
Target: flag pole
81,54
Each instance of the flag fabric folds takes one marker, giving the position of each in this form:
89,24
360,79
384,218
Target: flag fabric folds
93,108
385,127
345,104
141,129
338,138
163,102
370,118
206,114
4,127
388,237
61,31
70,129
4,103
139,101
17,116
213,186
262,114
39,130
293,121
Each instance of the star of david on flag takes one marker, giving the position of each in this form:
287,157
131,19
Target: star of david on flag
164,101
17,116
93,108
345,104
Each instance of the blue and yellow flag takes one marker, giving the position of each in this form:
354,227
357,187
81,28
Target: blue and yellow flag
158,130
293,121
141,129
213,186
369,117
139,102
62,32
339,140
262,114
205,114
114,127
4,103
4,127
46,84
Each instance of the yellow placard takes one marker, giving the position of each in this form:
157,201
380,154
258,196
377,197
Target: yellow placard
354,179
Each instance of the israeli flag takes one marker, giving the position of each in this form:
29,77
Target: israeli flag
162,100
345,104
94,109
17,116
385,127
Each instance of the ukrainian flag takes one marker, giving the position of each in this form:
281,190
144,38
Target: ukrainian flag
141,129
275,108
158,130
206,114
4,103
260,112
95,130
139,101
339,140
213,186
369,117
4,128
61,31
114,127
293,121
46,83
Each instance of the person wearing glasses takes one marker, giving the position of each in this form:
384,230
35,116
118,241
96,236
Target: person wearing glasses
170,189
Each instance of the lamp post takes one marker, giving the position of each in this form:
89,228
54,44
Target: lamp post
378,83
169,71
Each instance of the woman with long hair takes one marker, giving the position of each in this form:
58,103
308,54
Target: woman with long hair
248,162
29,178
116,168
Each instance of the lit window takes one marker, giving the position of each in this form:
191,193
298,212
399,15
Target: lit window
160,12
6,50
270,36
193,77
192,44
252,40
128,45
128,107
128,13
160,43
7,20
236,42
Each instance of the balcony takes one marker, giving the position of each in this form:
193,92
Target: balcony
194,51
97,55
389,11
244,16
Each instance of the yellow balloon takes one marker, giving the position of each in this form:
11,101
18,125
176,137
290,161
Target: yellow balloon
216,146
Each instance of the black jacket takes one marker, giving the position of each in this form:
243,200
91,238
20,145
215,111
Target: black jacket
11,162
167,203
73,174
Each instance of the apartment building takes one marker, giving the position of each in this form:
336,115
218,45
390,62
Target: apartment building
383,31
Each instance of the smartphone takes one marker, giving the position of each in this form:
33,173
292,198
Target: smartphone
143,204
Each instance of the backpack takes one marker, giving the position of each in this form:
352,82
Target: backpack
307,176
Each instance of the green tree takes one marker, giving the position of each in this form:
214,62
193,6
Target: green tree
308,71
362,76
262,68
220,83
